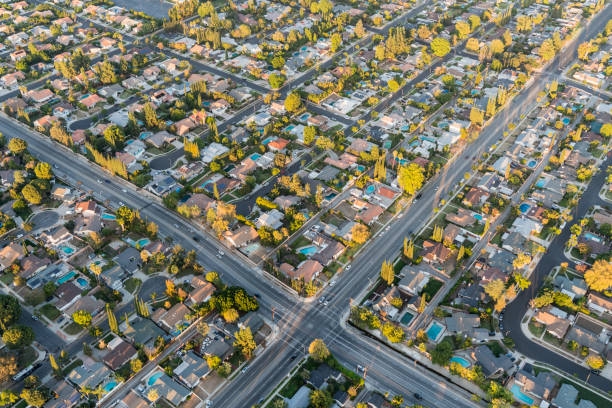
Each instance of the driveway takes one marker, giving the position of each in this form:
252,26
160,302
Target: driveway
45,219
166,161
155,284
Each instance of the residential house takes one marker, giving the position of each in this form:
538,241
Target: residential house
435,252
119,353
172,319
241,236
567,397
142,331
554,325
169,390
539,386
491,366
599,304
191,370
461,322
414,279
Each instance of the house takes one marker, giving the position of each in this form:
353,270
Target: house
435,252
91,101
119,353
10,254
173,318
491,366
323,373
252,320
89,375
554,325
462,217
86,208
272,219
278,145
475,197
142,331
526,226
201,293
462,322
45,122
151,73
384,305
567,396
241,236
330,253
129,260
218,348
64,395
40,96
55,236
159,139
370,213
31,264
184,125
133,400
306,270
191,370
574,287
111,91
539,386
599,304
67,294
12,78
170,390
413,280
87,303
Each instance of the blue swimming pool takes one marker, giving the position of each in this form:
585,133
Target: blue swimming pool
370,189
308,250
304,117
478,217
405,128
434,331
154,378
109,387
519,395
532,164
66,277
268,140
143,242
360,168
107,216
464,363
289,128
83,283
566,121
144,135
524,208
592,237
67,250
407,318
541,183
255,156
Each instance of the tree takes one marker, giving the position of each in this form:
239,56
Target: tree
410,178
507,38
393,85
244,342
440,46
43,171
472,44
136,365
34,398
152,395
594,361
318,350
9,311
476,116
309,134
521,281
360,233
7,398
463,29
82,318
8,366
495,289
203,329
606,130
497,46
423,32
442,353
336,41
547,50
18,336
276,80
599,277
387,273
359,30
293,102
230,315
17,145
320,399
31,194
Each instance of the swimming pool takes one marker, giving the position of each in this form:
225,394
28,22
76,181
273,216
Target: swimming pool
143,242
477,216
107,216
330,196
67,250
289,128
305,116
405,128
434,331
154,378
84,96
566,121
109,387
541,183
82,282
144,135
308,250
532,164
519,395
592,237
255,156
66,277
523,208
464,363
370,189
407,318
268,140
360,168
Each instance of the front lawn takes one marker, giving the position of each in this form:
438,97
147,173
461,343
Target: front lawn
50,312
73,329
432,287
132,284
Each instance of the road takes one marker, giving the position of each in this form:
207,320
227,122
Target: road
300,322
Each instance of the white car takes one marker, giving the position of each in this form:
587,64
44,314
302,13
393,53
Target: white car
348,267
332,282
208,403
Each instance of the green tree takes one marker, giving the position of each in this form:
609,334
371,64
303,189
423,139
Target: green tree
34,398
440,46
17,145
318,350
599,277
547,50
410,178
31,194
463,29
497,46
320,399
244,342
309,134
442,353
606,130
293,102
43,171
276,80
9,311
18,336
82,318
336,41
387,273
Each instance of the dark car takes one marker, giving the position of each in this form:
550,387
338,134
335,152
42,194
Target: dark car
107,181
257,295
293,357
417,396
196,239
419,196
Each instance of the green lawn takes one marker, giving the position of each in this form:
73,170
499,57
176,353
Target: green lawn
50,312
7,279
26,357
72,366
132,284
73,329
292,386
432,287
300,242
536,328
